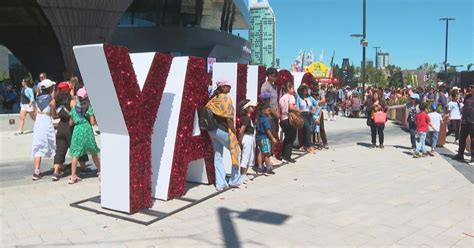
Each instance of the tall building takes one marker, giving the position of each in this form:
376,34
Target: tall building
262,33
383,59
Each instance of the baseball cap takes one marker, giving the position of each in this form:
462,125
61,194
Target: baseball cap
63,86
46,84
248,104
415,96
82,93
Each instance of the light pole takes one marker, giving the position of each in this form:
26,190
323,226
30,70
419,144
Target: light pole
446,19
376,56
363,43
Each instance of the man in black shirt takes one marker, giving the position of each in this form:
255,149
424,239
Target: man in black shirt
467,126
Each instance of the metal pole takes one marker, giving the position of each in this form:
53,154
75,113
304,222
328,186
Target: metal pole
446,53
363,47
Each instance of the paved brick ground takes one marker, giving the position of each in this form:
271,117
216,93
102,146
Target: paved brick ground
348,196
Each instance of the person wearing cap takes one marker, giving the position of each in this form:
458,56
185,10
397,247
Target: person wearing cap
64,129
413,109
247,138
44,141
222,107
27,101
441,98
83,139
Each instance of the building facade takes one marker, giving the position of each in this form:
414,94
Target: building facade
383,59
262,35
41,33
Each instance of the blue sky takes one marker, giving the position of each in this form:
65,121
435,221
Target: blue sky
409,30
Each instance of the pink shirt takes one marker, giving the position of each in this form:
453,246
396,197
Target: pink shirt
285,101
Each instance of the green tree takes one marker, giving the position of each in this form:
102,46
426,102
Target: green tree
395,76
376,77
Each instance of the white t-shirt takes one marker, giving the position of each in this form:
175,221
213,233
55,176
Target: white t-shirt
436,119
454,110
285,101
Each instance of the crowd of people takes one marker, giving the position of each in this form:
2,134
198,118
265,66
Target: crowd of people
427,110
264,133
69,103
298,114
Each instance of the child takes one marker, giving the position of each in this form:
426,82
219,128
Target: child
422,122
316,125
83,140
436,119
264,136
247,138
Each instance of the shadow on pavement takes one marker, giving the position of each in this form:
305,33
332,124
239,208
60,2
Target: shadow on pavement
364,144
464,168
231,237
402,147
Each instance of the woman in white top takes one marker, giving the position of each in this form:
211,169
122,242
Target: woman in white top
454,112
44,140
288,103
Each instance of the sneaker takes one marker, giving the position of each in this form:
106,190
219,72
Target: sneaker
416,155
269,171
260,171
431,153
289,160
19,133
55,177
37,176
373,146
381,146
222,189
274,160
244,179
325,146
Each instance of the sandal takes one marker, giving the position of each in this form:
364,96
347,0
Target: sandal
74,180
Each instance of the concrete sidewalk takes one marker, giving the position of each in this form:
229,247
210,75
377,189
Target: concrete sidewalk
348,196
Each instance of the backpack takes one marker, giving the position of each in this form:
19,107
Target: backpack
207,121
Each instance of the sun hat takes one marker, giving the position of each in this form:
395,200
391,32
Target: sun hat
409,86
64,86
222,82
248,104
82,93
46,84
415,96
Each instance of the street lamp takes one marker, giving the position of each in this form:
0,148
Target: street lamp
364,44
446,19
376,56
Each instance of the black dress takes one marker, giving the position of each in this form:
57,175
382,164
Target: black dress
63,138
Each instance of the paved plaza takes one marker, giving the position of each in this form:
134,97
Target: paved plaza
347,196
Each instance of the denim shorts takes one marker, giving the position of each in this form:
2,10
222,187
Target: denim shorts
330,107
264,145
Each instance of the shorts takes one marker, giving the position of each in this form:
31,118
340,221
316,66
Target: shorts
330,107
264,145
27,107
